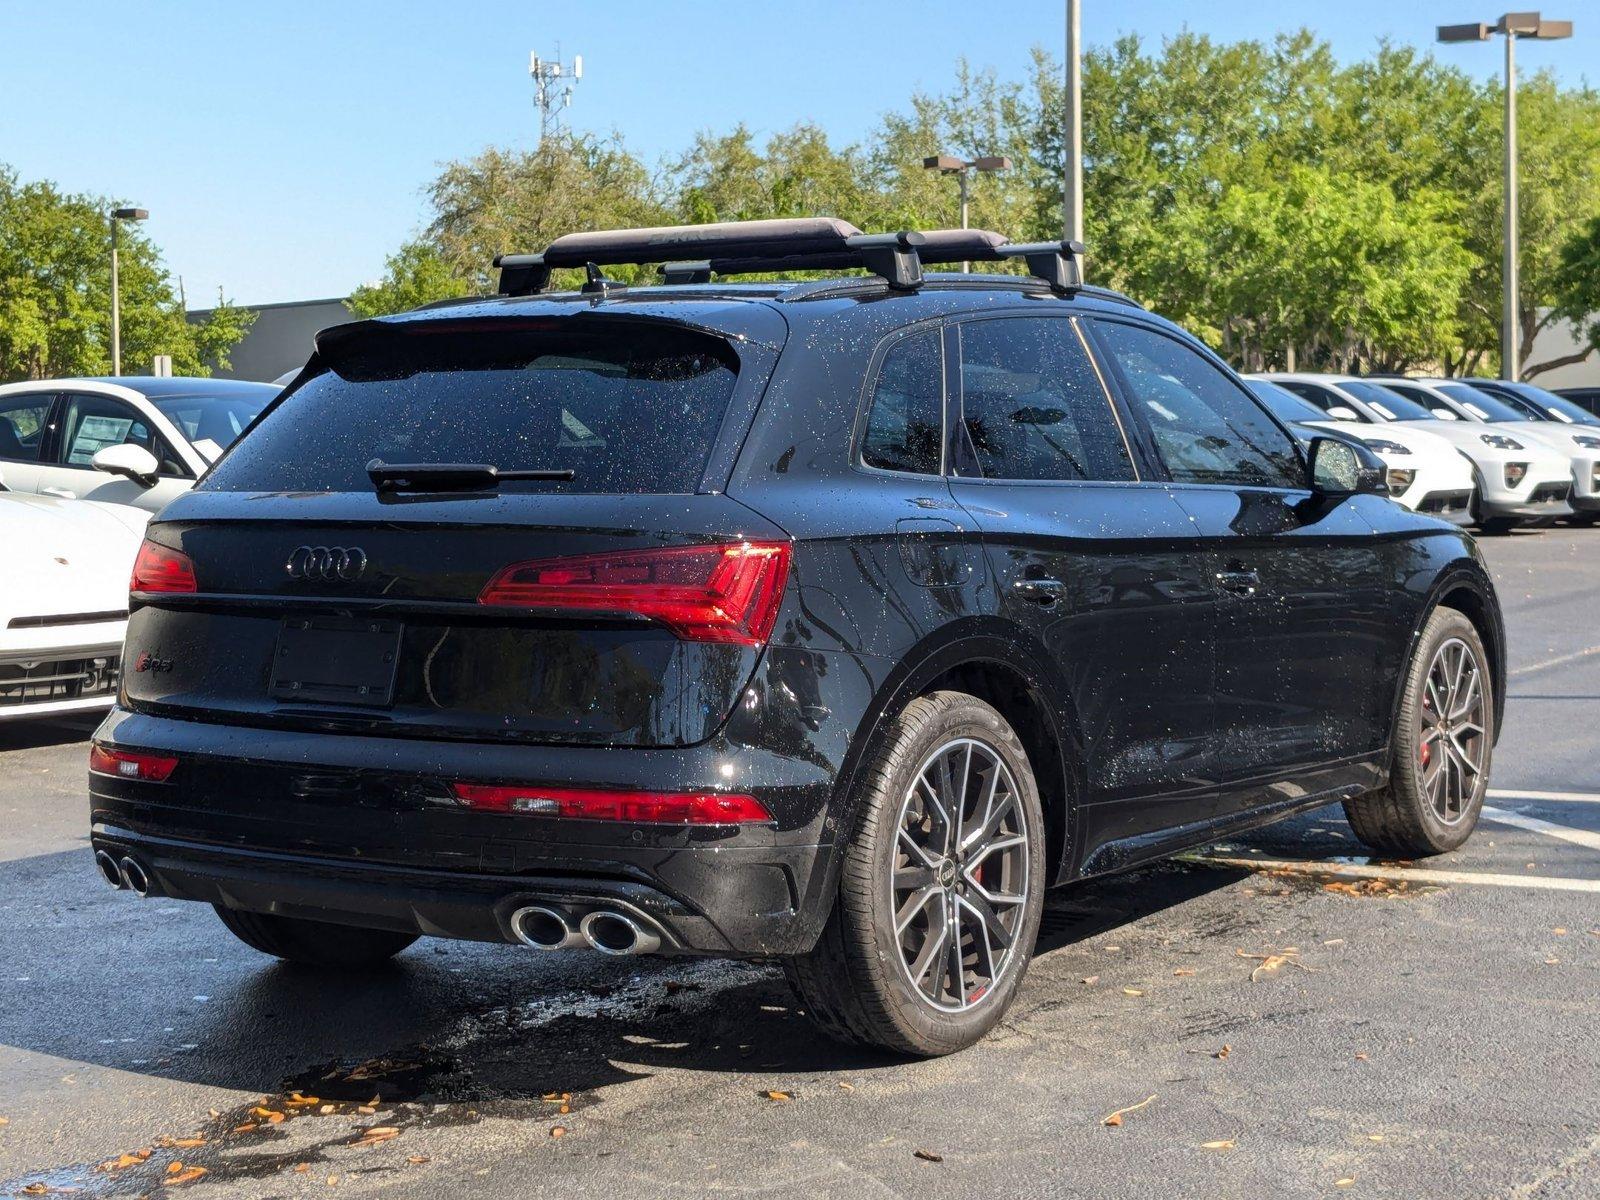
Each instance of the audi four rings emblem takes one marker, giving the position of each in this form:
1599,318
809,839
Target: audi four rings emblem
327,563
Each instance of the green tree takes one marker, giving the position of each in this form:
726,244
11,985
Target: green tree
1576,286
55,292
415,275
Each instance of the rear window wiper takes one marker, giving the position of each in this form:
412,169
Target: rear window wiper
455,477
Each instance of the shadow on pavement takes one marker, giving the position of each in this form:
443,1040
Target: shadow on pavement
34,732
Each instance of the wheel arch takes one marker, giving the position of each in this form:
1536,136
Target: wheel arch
1465,587
1007,668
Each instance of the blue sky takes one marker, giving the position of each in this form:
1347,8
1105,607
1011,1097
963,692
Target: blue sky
282,147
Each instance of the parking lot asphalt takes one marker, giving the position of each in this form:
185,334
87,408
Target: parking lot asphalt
1280,1016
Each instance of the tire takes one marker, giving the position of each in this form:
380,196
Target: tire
857,982
314,943
1498,526
1414,815
1583,518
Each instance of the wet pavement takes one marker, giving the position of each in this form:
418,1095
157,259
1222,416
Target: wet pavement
1302,1031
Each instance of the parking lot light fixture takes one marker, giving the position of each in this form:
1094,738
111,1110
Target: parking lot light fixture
1511,26
949,164
119,215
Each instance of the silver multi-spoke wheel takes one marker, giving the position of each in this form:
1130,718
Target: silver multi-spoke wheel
1452,738
960,874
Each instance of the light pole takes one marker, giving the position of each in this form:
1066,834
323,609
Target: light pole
949,164
1511,26
1072,129
119,214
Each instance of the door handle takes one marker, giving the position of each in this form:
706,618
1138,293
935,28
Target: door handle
1044,592
1239,582
61,493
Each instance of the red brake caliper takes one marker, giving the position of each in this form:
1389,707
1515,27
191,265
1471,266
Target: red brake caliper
1425,751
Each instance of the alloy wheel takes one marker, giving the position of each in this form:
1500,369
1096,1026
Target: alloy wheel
1453,727
960,875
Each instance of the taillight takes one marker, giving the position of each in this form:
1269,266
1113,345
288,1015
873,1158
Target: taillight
718,593
592,804
125,764
159,569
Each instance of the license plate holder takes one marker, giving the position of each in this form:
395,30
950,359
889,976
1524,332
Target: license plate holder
336,660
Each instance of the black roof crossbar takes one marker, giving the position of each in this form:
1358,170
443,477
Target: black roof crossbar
691,253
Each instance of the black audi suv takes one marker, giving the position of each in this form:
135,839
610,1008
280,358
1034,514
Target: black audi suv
824,622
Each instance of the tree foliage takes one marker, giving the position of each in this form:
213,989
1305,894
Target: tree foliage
55,292
1282,205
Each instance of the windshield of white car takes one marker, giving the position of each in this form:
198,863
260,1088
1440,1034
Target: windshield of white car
1389,405
1559,407
219,419
1480,404
1283,403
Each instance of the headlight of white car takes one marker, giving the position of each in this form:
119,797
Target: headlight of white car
1500,441
1383,446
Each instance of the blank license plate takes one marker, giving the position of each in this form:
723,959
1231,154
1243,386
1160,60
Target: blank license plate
336,660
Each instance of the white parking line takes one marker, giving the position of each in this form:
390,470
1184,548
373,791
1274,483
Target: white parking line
1563,797
1578,837
1560,660
1408,874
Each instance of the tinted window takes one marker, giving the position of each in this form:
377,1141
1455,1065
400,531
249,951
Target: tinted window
214,419
95,422
1558,407
628,407
1032,406
22,422
905,426
1285,405
1207,428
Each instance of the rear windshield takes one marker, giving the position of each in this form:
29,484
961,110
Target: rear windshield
630,408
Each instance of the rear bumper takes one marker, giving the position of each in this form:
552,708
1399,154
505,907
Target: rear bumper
361,831
715,907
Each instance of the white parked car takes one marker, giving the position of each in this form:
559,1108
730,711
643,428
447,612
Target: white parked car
1425,473
63,601
1520,479
1525,411
138,440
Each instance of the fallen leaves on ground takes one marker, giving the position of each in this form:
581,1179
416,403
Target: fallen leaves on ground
1270,963
378,1133
1132,992
1368,887
558,1131
779,1097
182,1174
1115,1118
184,1143
1091,980
123,1161
1183,971
416,1160
1347,1181
1220,1144
928,1156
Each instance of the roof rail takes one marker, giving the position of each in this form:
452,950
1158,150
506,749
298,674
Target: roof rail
691,253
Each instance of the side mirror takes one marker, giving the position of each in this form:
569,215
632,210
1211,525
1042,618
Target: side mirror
1340,413
129,461
1340,469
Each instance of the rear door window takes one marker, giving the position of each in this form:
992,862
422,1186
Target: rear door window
629,408
1032,406
22,426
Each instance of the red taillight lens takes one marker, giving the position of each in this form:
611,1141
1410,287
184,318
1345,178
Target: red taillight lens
158,569
721,593
124,764
646,808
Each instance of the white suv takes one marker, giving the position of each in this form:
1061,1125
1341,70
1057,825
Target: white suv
138,440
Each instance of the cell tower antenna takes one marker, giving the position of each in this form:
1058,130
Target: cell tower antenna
554,81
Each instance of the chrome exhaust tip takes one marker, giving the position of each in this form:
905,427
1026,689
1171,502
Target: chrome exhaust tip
133,875
544,928
109,870
618,933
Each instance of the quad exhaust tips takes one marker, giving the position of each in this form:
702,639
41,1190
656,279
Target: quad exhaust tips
608,932
124,873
